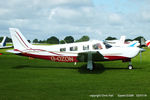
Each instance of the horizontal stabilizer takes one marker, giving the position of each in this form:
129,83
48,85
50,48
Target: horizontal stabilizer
12,51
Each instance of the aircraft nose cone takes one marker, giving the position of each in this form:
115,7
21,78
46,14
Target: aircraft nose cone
133,51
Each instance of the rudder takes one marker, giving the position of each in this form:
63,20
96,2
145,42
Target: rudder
19,41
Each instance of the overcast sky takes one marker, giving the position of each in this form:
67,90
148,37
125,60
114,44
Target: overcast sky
96,18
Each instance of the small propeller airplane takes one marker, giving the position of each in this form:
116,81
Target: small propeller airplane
90,51
3,43
122,43
116,42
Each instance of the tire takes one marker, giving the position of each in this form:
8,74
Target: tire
130,67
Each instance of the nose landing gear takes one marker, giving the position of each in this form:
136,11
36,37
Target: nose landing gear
130,65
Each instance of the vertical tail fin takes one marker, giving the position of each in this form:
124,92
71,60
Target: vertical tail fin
3,43
122,39
19,41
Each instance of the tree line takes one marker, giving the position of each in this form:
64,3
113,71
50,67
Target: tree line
67,39
70,39
7,39
139,38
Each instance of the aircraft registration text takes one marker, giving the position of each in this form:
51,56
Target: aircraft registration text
63,59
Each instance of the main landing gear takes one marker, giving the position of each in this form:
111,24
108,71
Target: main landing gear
90,62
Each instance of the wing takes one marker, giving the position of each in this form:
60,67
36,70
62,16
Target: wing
95,56
6,47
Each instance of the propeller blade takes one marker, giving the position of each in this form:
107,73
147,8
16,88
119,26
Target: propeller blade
141,50
140,56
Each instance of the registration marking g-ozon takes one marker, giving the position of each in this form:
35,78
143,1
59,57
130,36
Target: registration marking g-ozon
62,58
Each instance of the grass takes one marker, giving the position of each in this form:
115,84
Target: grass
22,78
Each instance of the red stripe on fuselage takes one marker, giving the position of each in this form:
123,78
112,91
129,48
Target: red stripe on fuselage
39,50
47,51
67,58
53,58
116,57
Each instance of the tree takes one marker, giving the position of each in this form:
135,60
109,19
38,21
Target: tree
69,39
35,41
62,42
7,39
29,41
128,40
139,38
83,38
1,38
53,40
42,41
111,38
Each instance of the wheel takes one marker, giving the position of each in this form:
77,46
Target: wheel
130,67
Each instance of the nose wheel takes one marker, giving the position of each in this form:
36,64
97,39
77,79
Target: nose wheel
130,65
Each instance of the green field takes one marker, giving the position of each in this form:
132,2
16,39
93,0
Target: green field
22,78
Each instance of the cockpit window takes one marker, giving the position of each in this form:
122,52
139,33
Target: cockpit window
107,45
97,46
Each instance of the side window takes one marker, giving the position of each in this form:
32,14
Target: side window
62,49
86,47
75,48
97,46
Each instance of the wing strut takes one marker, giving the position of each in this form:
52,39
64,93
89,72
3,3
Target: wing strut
90,62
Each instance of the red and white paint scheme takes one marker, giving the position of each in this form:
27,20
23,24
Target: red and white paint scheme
89,52
148,43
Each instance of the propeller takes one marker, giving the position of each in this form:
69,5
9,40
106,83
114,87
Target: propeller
140,56
141,50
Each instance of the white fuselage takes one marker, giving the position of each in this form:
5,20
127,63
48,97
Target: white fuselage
73,49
